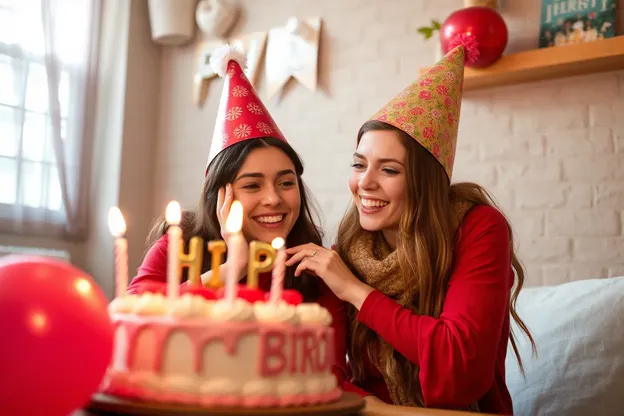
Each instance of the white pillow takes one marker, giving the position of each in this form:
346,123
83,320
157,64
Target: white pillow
579,331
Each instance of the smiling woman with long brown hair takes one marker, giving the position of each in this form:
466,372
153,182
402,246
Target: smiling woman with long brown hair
427,266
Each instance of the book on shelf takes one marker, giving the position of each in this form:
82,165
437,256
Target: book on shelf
571,22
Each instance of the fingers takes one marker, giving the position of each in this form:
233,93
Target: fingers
300,254
224,202
296,249
220,198
307,264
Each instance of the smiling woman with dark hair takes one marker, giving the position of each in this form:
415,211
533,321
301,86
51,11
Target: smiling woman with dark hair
251,162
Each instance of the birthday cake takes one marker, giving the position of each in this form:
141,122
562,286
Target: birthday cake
193,350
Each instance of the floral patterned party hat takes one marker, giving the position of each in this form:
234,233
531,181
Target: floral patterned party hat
241,114
428,109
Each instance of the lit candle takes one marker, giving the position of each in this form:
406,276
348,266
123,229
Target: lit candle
279,269
216,249
257,250
117,227
174,232
235,239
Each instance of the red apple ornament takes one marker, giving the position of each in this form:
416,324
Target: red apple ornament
57,337
482,26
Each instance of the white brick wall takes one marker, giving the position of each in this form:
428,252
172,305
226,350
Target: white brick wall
551,152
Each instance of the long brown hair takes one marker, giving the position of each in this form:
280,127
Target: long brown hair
205,223
425,244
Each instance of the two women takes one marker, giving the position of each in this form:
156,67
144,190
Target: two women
420,281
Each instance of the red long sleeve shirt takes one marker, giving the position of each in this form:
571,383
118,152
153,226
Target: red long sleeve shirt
154,270
462,354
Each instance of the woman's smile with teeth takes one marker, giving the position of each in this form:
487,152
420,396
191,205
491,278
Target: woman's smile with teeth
270,219
373,203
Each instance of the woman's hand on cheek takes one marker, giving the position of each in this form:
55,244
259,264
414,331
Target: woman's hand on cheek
328,265
225,198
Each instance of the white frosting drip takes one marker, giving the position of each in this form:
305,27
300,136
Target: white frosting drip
151,304
259,387
123,304
220,387
313,313
180,384
329,382
290,386
239,310
189,305
275,312
315,384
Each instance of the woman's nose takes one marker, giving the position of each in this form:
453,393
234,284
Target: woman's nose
271,197
367,180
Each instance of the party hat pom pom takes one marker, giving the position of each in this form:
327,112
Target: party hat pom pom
470,44
222,56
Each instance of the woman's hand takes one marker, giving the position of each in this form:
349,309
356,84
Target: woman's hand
328,265
225,198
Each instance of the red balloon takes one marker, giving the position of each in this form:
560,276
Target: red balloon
485,25
57,337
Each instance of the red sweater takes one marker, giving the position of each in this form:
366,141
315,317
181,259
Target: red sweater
462,354
154,269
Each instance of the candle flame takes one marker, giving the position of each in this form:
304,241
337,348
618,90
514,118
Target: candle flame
277,243
234,220
116,222
173,213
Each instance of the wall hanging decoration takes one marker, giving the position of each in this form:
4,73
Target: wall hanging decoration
253,46
171,21
292,51
203,71
483,25
216,18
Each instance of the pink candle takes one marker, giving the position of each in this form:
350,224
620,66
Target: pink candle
235,239
279,270
173,215
117,227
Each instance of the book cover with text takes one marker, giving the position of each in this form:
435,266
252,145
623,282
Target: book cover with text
570,22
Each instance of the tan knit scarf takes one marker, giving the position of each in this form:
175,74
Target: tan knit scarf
378,266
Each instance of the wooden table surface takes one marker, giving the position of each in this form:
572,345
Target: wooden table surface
370,409
393,411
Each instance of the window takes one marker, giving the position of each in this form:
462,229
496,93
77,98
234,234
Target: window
45,63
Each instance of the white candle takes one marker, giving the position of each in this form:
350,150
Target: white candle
235,240
174,233
117,227
279,270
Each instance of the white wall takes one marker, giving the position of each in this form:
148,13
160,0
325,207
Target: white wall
551,152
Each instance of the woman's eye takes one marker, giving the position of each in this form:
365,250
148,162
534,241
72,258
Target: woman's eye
288,183
251,186
391,171
357,165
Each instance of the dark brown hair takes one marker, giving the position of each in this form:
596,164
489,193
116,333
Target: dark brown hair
205,224
425,243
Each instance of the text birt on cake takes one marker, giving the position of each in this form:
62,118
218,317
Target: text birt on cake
571,22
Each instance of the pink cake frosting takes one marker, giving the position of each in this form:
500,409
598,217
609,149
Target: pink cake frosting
193,350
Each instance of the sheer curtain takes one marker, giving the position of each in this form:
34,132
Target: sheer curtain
48,51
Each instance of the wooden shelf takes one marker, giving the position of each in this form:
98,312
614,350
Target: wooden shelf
548,63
